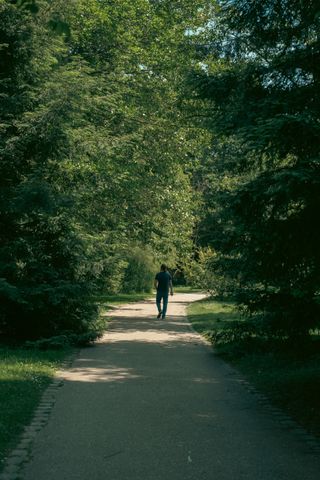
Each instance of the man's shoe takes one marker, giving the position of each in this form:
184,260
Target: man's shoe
159,314
163,317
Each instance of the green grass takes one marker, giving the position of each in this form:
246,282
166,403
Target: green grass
186,289
290,377
207,315
112,300
24,375
109,301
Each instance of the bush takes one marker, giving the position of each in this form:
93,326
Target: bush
203,272
235,331
59,342
140,270
113,273
281,314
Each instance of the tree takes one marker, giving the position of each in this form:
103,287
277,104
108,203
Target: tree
42,289
140,51
94,153
260,85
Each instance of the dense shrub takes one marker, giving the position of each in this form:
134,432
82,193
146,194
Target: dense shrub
201,272
69,338
140,270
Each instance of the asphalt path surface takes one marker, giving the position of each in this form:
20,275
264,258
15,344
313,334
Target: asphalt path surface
151,401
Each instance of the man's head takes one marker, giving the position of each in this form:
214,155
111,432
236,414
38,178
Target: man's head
164,267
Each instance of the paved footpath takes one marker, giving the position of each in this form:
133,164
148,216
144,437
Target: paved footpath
152,402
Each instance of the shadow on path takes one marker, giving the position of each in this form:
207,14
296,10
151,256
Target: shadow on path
151,402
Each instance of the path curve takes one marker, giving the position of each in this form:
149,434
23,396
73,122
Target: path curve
151,402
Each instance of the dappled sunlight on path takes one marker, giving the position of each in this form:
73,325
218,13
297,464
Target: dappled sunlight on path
150,401
108,373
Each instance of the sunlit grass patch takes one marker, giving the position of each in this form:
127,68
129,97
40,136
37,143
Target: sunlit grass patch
207,315
186,289
24,375
111,300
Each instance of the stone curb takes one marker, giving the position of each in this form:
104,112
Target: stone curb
21,453
284,420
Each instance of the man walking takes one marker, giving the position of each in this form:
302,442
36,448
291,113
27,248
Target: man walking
163,283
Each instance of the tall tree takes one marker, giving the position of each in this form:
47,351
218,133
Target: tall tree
141,52
94,152
42,290
260,84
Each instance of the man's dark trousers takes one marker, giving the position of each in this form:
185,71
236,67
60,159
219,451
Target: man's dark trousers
162,295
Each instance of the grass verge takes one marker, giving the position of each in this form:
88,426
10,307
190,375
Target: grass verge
24,375
186,289
107,302
290,377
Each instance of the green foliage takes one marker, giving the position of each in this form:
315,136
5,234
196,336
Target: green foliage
218,321
94,154
259,92
140,270
38,248
197,271
59,342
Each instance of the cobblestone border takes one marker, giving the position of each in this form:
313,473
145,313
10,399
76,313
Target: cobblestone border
311,442
21,453
285,420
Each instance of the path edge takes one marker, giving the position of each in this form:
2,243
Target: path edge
276,413
20,454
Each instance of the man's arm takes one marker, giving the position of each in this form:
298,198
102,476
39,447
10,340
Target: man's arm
155,283
171,287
